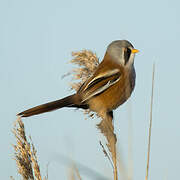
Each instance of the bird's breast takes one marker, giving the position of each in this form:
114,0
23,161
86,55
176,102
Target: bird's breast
116,95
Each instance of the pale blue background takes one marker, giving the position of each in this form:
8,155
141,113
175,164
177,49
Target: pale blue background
36,41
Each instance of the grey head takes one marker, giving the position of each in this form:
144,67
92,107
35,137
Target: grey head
122,52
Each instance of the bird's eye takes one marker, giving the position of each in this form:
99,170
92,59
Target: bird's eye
127,53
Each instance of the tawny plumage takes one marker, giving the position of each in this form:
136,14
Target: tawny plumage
110,86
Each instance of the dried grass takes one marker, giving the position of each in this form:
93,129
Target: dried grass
150,125
25,153
74,173
87,63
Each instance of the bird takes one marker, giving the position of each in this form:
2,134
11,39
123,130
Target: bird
110,85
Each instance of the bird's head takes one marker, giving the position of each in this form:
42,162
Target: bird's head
122,52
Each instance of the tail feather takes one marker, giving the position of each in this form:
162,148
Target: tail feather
65,102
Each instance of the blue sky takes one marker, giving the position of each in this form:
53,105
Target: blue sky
36,41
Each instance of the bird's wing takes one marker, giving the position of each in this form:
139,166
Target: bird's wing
100,83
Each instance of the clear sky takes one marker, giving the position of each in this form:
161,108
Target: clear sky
36,41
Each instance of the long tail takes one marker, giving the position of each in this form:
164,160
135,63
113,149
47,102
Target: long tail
65,102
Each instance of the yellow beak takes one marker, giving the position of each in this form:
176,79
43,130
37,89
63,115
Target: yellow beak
135,51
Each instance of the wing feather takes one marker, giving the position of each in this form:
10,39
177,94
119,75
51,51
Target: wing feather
100,83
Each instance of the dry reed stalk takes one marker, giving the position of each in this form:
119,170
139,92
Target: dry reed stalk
88,63
127,173
130,149
107,129
25,153
122,169
12,178
74,173
150,125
